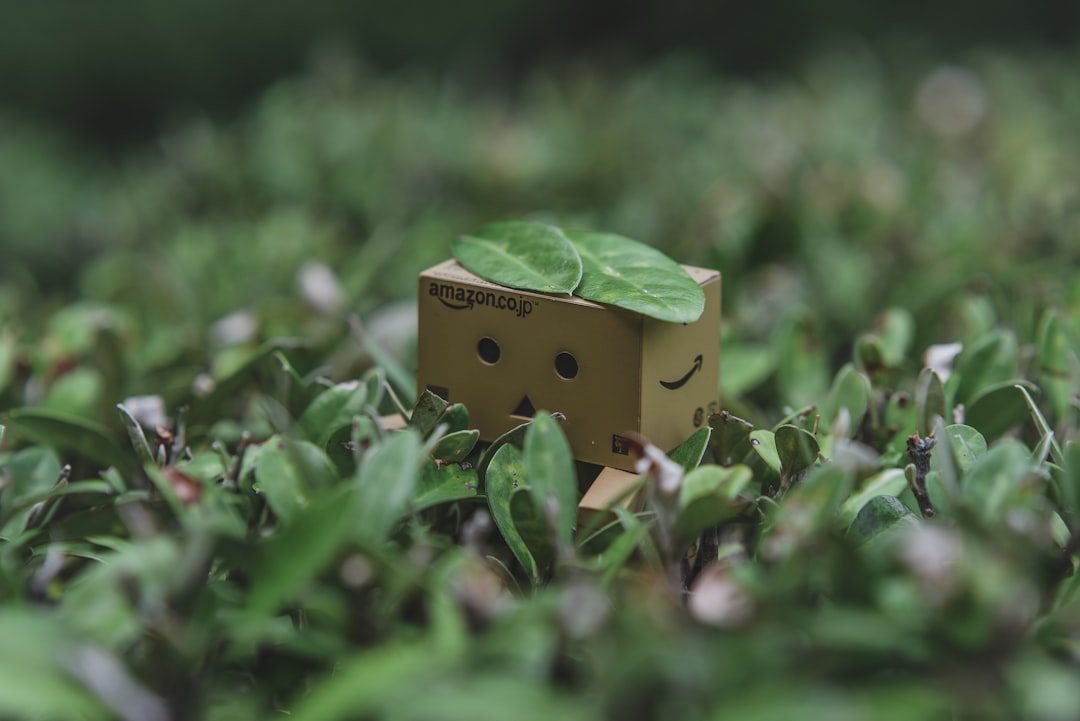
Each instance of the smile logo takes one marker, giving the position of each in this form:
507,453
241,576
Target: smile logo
676,385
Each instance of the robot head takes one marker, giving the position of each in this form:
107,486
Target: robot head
506,354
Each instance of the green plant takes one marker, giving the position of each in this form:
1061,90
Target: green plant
248,536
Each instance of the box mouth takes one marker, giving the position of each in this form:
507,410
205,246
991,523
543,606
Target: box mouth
525,410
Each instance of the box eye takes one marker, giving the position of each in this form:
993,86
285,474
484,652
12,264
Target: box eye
488,351
566,366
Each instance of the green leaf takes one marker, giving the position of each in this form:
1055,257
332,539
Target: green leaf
627,274
69,433
9,346
796,449
1048,444
289,474
425,415
764,444
710,495
550,474
990,361
228,380
455,447
631,532
1056,362
889,482
35,672
929,400
690,452
369,682
300,549
744,367
999,408
375,380
385,483
533,526
850,390
78,393
505,472
998,482
881,514
32,471
731,436
399,377
29,471
456,418
967,446
332,410
515,437
1069,485
896,328
807,511
136,436
802,375
444,484
521,254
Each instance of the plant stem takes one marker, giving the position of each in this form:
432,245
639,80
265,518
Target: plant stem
919,451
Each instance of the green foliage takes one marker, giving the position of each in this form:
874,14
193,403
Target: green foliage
601,267
521,254
636,277
270,524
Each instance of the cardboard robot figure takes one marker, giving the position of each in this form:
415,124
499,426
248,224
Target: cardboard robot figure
506,353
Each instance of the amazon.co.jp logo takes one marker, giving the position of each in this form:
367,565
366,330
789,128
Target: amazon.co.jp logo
676,385
458,298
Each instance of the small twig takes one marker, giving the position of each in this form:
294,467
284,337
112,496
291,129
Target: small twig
919,451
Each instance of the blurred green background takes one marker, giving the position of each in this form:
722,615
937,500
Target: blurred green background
182,182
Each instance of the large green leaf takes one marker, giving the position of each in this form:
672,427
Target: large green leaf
890,482
1001,481
299,550
332,410
370,681
797,450
999,407
69,433
764,444
443,484
521,254
505,471
455,447
991,360
425,415
690,452
549,469
631,275
290,473
929,400
731,437
385,483
1055,362
802,373
850,390
710,495
881,514
36,654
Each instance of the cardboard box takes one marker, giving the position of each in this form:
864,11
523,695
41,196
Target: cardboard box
506,354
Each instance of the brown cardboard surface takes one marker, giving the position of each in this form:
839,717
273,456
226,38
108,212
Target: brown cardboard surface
505,353
611,487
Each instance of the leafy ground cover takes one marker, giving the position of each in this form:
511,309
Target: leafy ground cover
205,516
